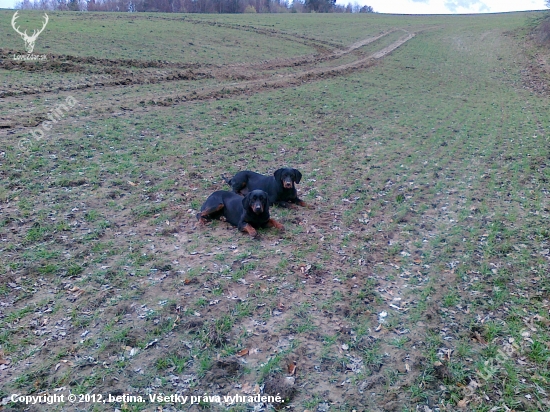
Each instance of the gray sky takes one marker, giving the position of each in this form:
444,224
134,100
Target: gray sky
450,6
427,6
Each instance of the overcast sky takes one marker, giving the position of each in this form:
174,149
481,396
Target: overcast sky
450,6
427,6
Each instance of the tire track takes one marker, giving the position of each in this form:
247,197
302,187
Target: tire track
234,26
111,75
321,46
242,87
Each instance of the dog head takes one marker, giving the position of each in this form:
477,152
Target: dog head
288,177
256,201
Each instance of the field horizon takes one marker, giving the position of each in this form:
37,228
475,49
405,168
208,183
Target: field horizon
418,280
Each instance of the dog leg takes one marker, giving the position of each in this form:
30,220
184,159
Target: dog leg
275,224
284,204
250,230
304,204
207,212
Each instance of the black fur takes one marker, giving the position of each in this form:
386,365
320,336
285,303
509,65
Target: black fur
251,210
279,187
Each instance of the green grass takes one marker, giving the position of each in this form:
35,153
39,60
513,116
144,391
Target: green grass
428,172
77,35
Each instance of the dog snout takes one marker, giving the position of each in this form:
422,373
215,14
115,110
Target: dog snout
258,208
287,183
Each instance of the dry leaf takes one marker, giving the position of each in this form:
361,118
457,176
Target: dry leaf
132,183
541,319
247,388
242,352
479,338
153,342
292,368
176,322
76,291
2,360
462,403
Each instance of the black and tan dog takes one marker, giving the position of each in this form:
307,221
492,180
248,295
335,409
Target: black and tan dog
248,213
279,187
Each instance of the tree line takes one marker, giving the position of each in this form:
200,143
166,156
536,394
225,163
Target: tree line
197,6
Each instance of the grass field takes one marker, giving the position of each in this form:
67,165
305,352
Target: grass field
419,280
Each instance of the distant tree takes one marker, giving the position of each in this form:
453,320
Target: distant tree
320,6
193,6
369,9
73,5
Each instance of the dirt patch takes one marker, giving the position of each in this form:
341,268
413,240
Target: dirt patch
279,384
223,371
541,34
536,75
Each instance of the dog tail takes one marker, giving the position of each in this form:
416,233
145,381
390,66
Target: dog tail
226,180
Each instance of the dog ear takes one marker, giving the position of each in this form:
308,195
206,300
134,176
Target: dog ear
298,175
278,174
246,201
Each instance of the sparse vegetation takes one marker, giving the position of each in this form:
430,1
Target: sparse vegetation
419,279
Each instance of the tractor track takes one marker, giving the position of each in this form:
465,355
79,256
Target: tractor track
322,46
244,79
107,72
299,38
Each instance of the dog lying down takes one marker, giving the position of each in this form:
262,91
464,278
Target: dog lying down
248,213
279,187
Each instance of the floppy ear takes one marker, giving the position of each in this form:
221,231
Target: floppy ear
246,201
298,175
278,174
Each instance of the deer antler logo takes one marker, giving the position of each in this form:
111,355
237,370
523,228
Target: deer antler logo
29,40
